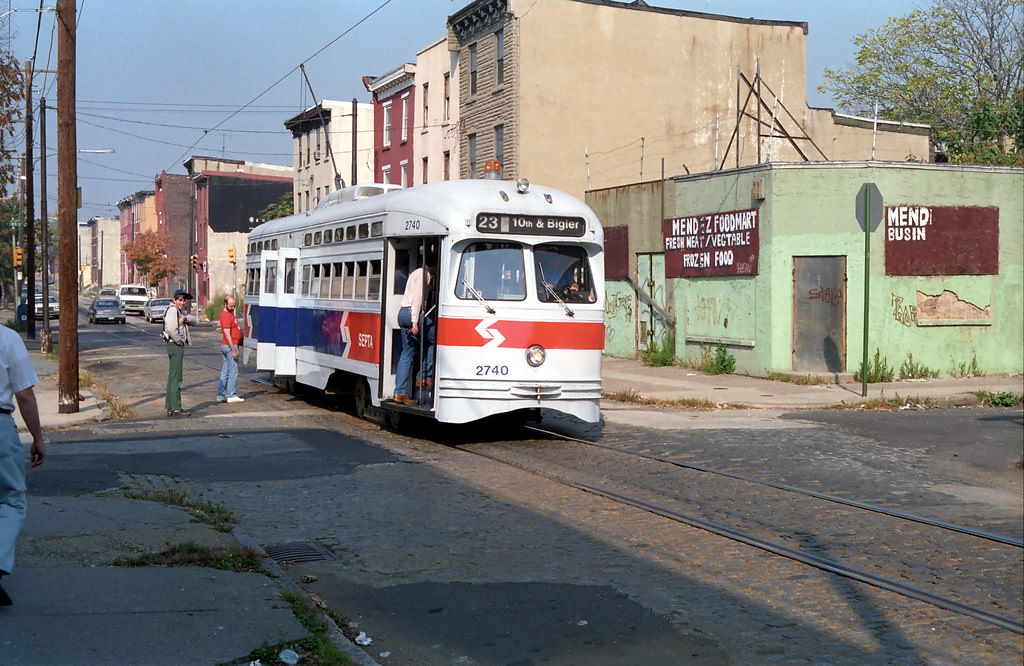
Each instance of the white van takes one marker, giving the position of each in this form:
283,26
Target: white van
133,297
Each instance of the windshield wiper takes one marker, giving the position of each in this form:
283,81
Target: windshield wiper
476,294
568,311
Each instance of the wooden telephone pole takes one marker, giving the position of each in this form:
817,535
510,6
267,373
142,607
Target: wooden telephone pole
67,209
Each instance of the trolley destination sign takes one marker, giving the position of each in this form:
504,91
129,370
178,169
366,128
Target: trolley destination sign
532,225
724,243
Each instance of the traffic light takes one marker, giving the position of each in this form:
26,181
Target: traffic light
232,258
195,262
19,257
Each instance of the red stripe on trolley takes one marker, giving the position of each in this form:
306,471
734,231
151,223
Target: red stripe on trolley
520,334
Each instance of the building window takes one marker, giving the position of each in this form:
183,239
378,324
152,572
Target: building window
316,155
499,37
309,147
426,106
404,173
385,174
447,165
299,141
447,96
387,124
472,69
472,155
423,168
405,117
499,145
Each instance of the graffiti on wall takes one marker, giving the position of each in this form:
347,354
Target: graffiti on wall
905,314
712,311
619,306
944,307
828,295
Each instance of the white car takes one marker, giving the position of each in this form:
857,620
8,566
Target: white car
155,308
54,307
133,297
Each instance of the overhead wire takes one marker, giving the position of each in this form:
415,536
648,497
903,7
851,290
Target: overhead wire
206,132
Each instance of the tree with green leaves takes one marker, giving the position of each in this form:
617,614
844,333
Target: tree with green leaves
283,207
957,66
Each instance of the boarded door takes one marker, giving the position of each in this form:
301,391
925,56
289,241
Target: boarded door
650,273
819,314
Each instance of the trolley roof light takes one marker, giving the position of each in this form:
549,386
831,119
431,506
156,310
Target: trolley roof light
522,185
492,169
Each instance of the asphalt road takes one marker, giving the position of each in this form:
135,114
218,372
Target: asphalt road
442,556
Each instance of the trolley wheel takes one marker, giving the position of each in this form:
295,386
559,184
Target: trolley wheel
361,397
394,420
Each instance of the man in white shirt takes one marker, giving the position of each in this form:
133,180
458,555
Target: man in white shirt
17,377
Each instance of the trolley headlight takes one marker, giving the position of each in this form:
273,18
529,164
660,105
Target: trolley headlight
535,356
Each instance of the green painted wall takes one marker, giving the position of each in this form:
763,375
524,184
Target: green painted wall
809,210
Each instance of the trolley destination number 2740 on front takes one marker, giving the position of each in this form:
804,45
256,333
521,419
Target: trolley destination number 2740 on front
533,225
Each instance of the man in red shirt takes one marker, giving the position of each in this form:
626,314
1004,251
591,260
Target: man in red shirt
231,337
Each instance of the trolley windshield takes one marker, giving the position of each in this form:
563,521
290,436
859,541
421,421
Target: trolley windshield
563,273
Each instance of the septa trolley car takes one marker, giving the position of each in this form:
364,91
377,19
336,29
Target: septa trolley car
517,304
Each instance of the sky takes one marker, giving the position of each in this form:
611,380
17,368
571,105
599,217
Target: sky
159,81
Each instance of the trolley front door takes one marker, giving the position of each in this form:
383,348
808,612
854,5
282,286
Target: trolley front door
266,343
819,314
287,312
401,257
650,278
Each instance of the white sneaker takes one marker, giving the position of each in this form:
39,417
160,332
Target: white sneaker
235,398
221,398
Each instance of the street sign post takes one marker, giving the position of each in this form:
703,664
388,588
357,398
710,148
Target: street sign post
868,208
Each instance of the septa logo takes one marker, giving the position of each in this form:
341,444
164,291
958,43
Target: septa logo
493,336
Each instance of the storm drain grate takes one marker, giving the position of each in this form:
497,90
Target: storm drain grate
299,552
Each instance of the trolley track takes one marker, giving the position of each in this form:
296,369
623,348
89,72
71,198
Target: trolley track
973,596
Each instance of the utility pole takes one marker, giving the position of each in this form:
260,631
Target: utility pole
67,208
46,335
30,212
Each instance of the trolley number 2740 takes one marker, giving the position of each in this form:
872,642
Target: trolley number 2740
491,370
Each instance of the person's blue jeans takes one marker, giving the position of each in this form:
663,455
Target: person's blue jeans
228,383
411,348
13,500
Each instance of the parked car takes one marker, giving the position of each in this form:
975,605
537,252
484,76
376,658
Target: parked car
133,297
155,307
106,309
54,307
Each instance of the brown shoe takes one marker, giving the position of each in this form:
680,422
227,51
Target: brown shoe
425,382
404,399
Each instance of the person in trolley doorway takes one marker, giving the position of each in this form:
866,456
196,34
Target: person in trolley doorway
17,377
176,322
231,337
416,316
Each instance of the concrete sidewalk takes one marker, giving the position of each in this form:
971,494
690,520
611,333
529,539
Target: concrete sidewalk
72,607
623,376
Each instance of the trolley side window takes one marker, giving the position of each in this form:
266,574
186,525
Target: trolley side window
563,271
289,276
495,270
270,279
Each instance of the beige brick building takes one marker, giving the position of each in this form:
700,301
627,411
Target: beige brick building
585,94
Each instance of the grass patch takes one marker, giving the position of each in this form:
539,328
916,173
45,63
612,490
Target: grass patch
118,410
204,511
890,404
802,380
963,369
878,370
1003,399
632,396
317,649
911,369
660,354
188,554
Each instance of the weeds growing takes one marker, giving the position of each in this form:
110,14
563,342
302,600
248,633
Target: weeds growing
660,354
203,511
962,369
188,554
